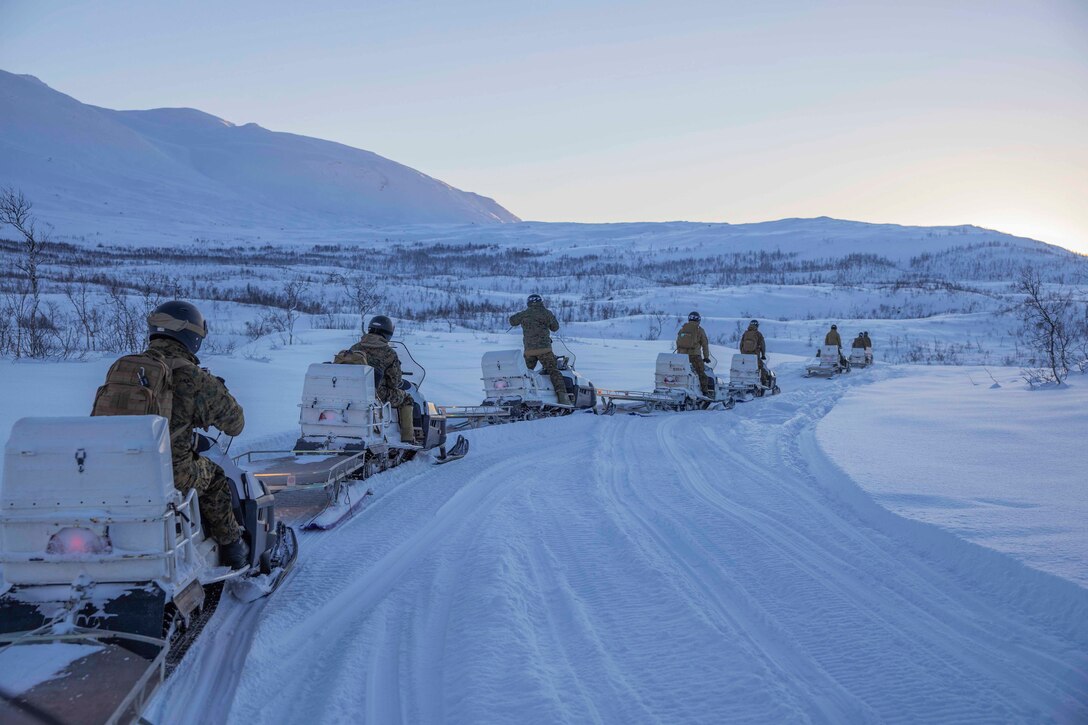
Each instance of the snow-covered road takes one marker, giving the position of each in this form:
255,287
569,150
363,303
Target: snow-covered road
696,567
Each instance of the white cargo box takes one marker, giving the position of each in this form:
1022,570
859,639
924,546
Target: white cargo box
107,480
338,401
674,371
744,370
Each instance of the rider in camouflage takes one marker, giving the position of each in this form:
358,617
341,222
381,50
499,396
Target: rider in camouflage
200,400
374,350
691,341
537,322
833,338
752,343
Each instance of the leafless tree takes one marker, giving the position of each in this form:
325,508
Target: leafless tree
657,323
282,319
83,301
363,295
31,328
1048,328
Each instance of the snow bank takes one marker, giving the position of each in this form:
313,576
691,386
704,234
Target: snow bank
1005,467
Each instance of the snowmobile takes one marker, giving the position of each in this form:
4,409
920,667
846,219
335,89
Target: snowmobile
512,392
676,387
348,435
101,552
745,381
861,357
828,363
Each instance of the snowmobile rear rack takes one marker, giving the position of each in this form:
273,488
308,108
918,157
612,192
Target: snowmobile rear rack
475,415
291,469
650,400
79,695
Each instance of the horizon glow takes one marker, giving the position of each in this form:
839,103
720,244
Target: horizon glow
926,113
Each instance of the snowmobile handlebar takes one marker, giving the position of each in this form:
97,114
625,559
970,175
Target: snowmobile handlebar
571,357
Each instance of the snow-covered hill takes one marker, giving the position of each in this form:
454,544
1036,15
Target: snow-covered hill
91,169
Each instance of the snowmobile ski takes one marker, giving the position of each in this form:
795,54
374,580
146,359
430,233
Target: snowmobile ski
352,497
456,453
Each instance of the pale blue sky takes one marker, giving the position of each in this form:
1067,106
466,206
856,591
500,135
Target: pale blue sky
917,112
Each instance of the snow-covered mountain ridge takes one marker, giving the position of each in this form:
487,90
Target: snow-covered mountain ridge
91,169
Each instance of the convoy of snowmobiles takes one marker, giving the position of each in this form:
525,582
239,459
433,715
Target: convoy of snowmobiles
100,550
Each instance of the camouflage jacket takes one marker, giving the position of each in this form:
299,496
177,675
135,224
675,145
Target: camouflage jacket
375,351
752,343
691,339
537,322
200,400
832,338
859,342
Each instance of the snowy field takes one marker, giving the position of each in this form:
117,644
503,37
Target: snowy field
805,557
986,459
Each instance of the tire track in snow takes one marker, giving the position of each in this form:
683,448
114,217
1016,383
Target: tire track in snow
324,644
718,596
839,565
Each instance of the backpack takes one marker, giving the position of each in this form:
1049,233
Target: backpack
140,384
749,345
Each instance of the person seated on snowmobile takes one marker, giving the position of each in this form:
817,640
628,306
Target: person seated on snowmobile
537,322
692,341
832,338
859,342
195,399
374,350
752,343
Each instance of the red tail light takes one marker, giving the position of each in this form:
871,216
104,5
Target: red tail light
77,540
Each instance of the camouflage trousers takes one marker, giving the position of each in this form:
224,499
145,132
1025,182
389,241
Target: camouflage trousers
699,367
394,396
551,367
213,492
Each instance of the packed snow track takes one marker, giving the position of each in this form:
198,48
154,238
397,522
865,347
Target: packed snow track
692,567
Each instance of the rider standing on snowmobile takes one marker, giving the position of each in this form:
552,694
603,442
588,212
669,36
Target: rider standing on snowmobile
833,338
537,322
752,343
374,350
691,341
200,400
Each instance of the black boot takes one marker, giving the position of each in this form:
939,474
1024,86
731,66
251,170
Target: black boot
235,554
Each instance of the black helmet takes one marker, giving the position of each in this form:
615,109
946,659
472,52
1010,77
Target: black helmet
834,327
753,323
694,317
179,321
381,325
535,299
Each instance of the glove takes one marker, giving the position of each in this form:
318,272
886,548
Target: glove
706,359
762,357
